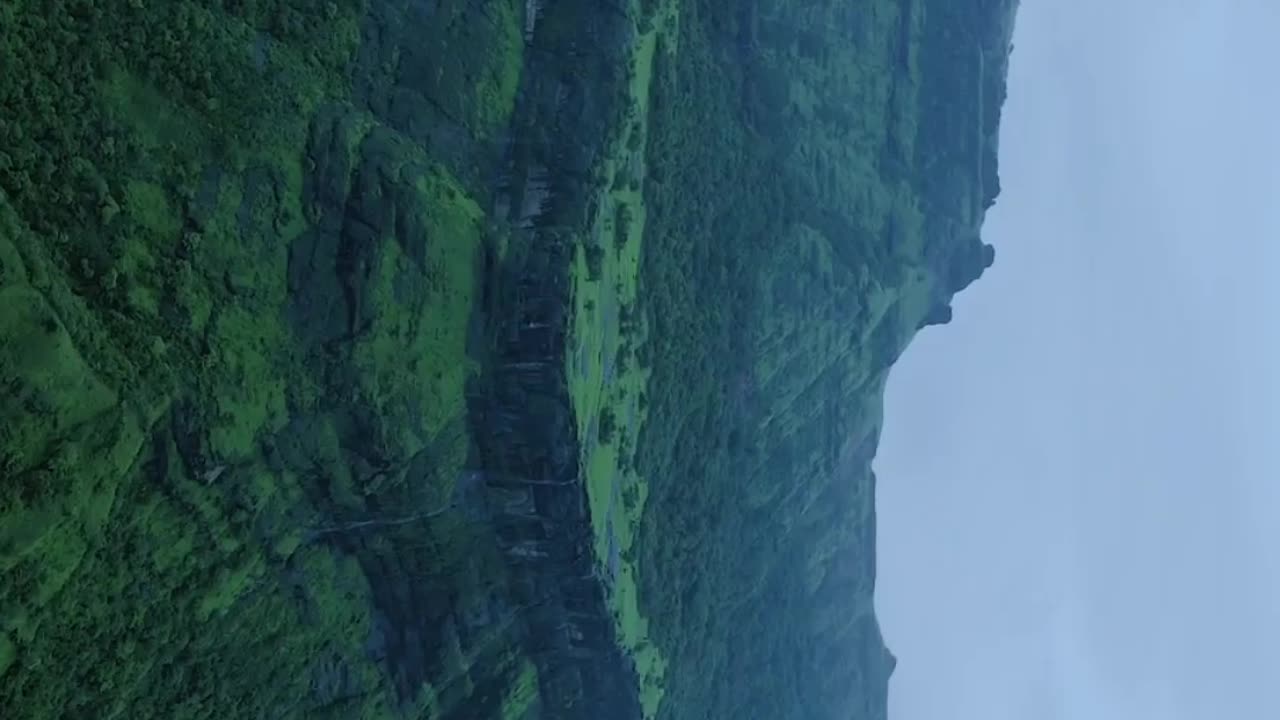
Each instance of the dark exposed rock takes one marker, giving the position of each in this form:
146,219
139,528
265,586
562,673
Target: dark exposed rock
939,314
332,681
259,213
968,264
205,203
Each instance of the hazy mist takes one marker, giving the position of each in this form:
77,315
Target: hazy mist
1079,515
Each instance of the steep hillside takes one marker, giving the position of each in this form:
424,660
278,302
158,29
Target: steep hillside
246,252
459,359
819,175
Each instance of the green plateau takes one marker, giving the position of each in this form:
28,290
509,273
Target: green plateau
467,359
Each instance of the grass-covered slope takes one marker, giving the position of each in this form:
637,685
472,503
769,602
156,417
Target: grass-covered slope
608,383
817,178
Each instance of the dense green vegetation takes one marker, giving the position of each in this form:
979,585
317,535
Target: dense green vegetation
241,249
467,358
817,178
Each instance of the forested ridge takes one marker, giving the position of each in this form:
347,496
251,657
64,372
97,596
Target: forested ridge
467,358
819,177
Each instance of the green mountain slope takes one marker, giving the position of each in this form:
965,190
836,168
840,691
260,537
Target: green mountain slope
242,245
466,358
818,181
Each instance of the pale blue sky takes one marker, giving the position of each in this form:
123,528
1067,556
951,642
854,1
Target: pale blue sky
1079,478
